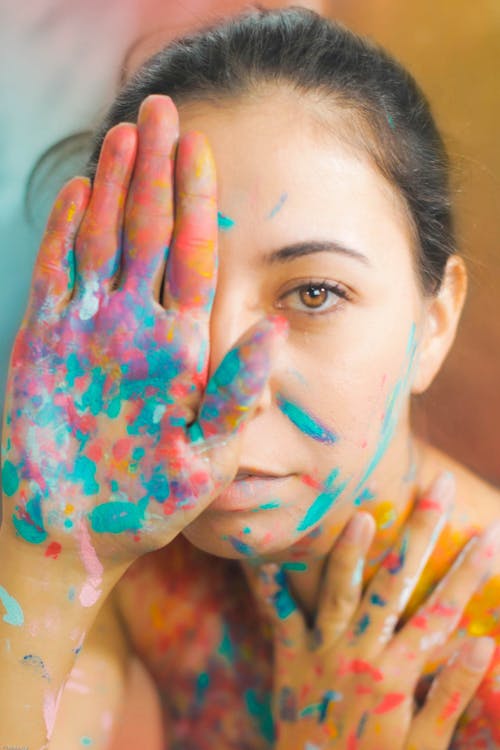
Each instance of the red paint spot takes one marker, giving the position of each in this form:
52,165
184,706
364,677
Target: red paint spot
420,621
443,610
427,503
352,742
391,561
94,452
451,707
358,666
53,550
389,702
122,448
310,481
361,690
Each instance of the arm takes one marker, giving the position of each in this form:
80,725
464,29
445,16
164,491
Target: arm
110,447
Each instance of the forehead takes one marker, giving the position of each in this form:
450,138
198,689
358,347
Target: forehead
282,176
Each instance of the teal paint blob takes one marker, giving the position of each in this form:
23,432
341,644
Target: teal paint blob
260,710
377,600
240,546
13,612
297,566
224,222
84,472
73,369
362,625
283,602
202,684
226,646
321,506
10,479
116,517
365,496
270,506
30,525
86,741
92,398
226,373
305,422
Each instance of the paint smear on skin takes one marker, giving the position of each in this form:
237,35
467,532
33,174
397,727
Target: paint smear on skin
362,625
362,725
287,704
278,206
389,702
377,600
392,410
29,523
394,561
269,506
364,497
13,612
306,423
239,546
10,479
283,602
53,550
323,502
359,666
117,516
36,663
90,591
202,684
297,566
90,301
224,222
331,696
451,707
86,741
260,709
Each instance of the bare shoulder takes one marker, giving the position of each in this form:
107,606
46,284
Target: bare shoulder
477,501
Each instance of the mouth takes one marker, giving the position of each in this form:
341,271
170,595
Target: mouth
246,491
251,473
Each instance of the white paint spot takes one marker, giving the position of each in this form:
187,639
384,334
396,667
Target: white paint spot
158,413
90,301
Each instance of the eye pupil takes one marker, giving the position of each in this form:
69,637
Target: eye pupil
313,296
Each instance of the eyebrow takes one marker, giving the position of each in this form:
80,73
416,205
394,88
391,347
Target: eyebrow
308,247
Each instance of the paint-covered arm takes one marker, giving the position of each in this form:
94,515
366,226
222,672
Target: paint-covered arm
349,683
113,440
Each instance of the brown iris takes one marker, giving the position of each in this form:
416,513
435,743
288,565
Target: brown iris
313,296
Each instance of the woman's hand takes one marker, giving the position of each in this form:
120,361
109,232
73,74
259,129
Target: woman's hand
111,429
349,683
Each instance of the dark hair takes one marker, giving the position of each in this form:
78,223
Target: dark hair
317,57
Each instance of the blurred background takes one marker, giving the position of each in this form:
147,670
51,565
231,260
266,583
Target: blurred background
61,62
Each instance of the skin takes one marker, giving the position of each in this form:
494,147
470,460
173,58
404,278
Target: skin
323,419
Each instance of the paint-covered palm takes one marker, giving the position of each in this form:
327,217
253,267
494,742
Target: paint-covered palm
109,421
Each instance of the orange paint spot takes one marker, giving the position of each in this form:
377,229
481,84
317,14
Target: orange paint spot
451,707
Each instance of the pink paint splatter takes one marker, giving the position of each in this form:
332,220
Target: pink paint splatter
90,591
389,702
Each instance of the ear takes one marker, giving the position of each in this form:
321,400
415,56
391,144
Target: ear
442,314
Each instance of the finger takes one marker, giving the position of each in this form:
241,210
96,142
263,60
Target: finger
274,596
392,586
235,387
434,622
451,691
53,274
341,589
99,238
149,208
191,267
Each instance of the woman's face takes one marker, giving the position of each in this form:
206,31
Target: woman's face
311,230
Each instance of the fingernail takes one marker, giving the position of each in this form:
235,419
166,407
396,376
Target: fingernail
477,653
357,528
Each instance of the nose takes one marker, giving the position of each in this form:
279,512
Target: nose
230,320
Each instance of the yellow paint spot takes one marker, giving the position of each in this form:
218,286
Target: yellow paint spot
69,509
71,212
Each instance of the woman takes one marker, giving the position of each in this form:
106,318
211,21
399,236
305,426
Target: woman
136,424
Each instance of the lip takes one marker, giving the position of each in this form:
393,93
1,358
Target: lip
247,493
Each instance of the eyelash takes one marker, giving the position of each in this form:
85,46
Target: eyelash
339,291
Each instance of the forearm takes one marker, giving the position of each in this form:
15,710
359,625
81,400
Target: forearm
47,609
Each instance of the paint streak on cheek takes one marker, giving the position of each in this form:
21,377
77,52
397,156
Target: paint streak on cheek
13,614
306,422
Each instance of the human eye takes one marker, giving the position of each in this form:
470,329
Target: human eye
314,297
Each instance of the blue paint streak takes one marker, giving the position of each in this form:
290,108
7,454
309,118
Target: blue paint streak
362,625
284,604
240,546
365,496
321,506
278,206
261,711
224,222
13,613
305,422
377,600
